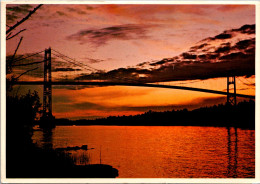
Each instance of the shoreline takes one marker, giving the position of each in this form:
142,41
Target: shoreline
244,128
241,116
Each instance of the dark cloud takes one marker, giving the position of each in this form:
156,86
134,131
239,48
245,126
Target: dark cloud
70,87
189,56
244,44
157,63
232,64
65,69
223,36
78,11
102,36
221,61
214,61
61,13
250,84
24,8
163,61
223,49
88,7
67,107
192,49
121,74
91,60
238,59
14,12
248,29
11,17
202,70
234,56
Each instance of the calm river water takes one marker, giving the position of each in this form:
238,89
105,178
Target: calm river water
161,151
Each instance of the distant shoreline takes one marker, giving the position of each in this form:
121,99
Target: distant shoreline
244,128
240,116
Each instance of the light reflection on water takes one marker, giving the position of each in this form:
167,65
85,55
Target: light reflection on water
161,151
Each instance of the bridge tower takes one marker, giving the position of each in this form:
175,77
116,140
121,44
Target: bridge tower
47,116
231,97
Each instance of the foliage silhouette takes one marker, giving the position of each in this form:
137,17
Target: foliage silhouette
25,160
242,115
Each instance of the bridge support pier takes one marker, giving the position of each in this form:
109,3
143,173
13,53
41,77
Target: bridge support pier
231,96
47,117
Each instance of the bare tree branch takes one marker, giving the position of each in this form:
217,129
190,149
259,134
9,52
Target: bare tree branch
24,19
8,35
17,48
26,72
22,58
26,64
9,64
8,38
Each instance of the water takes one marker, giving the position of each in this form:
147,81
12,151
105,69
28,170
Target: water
162,151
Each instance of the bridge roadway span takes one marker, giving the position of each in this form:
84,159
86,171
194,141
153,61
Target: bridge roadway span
129,84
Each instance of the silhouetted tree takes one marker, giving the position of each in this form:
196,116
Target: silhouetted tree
242,115
11,28
10,60
21,112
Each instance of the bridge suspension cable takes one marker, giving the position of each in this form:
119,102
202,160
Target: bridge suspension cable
19,59
26,72
77,63
71,62
47,83
247,80
249,83
36,62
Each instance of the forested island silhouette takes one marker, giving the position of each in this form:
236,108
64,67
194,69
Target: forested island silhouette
222,115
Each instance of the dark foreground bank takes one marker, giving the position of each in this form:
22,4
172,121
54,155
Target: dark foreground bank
25,160
223,115
39,163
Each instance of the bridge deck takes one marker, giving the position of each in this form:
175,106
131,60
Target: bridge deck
129,84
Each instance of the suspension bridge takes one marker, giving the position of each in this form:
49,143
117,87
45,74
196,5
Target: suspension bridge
27,74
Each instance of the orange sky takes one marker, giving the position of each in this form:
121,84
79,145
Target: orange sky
148,33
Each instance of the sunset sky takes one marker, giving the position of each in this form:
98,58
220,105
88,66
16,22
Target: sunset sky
136,38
